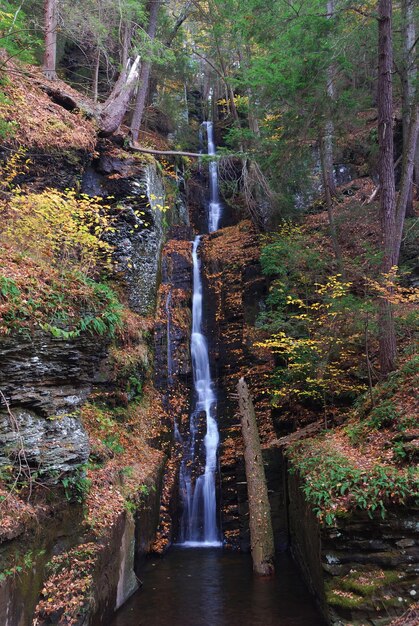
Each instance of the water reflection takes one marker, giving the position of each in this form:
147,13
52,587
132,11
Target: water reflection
210,587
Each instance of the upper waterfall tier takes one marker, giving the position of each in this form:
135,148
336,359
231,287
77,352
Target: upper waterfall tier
214,212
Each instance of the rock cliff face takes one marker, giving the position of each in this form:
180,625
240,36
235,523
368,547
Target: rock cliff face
234,290
173,319
136,196
363,570
172,365
45,380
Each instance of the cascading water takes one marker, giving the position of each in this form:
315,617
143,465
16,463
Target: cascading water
199,520
214,212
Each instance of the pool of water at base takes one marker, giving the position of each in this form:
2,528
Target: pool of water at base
214,587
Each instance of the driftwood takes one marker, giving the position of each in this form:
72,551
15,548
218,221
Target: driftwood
261,533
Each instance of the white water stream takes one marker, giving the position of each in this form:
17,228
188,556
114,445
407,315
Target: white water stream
199,521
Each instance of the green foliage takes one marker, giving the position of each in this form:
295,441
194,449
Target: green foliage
113,443
353,589
130,506
108,429
377,410
144,490
316,324
105,318
76,485
134,387
18,36
383,415
20,562
54,254
8,288
333,485
7,127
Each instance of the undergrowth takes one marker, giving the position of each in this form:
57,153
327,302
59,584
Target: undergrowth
365,464
55,265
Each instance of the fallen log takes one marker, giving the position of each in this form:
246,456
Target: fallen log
261,533
195,155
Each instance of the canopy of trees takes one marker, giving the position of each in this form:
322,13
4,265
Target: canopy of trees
288,79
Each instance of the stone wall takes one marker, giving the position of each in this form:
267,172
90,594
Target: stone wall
361,571
19,592
118,570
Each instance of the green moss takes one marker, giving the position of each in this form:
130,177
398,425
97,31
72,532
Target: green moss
366,583
350,600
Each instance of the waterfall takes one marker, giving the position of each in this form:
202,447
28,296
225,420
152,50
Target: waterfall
214,212
199,521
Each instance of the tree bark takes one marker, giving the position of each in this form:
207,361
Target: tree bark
196,155
144,75
96,76
261,534
115,107
329,205
329,128
409,152
50,38
387,339
409,74
184,14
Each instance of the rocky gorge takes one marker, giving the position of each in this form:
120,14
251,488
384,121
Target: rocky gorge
91,424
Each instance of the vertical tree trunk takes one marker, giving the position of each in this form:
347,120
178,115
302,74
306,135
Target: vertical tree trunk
126,42
416,170
329,128
245,55
125,61
387,342
329,205
144,74
50,38
261,534
409,74
96,76
409,151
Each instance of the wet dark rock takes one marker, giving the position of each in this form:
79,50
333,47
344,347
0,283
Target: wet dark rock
172,349
358,545
335,569
50,375
53,169
344,173
109,164
137,196
59,443
405,543
45,380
